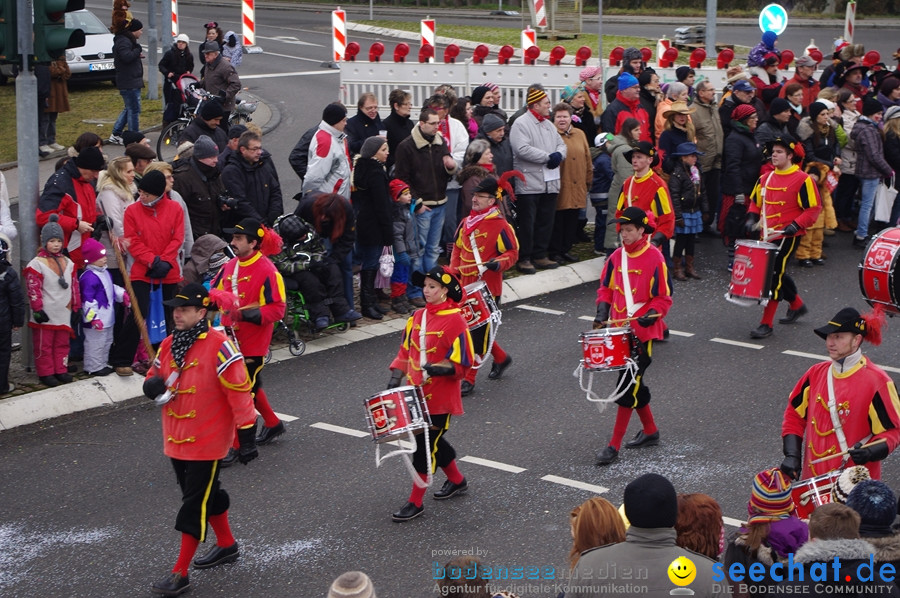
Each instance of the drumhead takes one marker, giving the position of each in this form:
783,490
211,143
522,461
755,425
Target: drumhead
475,286
756,244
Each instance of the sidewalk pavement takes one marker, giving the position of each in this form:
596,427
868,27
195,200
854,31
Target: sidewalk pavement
113,391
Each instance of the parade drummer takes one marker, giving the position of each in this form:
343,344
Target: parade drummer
647,191
486,246
250,292
435,353
840,405
787,200
201,382
641,299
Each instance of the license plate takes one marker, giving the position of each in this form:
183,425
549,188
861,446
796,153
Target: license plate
102,66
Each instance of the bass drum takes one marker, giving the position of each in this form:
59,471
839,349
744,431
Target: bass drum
878,279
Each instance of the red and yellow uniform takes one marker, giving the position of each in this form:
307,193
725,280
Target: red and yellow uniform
496,240
867,407
790,196
650,194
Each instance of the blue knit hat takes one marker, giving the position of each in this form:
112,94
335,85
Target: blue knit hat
769,38
627,80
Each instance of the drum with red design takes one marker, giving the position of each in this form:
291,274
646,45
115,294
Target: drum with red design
608,348
478,305
397,412
877,271
812,493
751,273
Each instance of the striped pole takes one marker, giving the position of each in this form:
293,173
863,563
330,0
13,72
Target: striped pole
427,37
248,12
529,38
850,21
174,18
540,13
339,33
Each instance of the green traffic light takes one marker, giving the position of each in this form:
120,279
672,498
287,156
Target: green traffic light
51,37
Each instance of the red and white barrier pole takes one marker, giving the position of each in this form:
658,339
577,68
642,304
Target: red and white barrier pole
529,39
540,13
248,14
850,21
338,34
174,18
427,35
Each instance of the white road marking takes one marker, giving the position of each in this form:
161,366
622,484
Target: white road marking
679,333
542,310
726,341
732,522
294,74
339,429
886,368
586,318
286,418
287,39
575,484
494,464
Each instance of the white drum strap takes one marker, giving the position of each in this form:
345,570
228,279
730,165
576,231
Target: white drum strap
622,386
476,254
234,278
630,307
833,411
762,210
493,324
628,193
407,461
423,358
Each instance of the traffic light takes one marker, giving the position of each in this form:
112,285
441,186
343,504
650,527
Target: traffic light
51,37
9,44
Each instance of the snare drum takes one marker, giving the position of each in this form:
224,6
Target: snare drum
396,412
478,305
812,493
751,274
877,279
608,348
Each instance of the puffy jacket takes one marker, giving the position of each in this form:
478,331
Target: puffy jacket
577,171
299,158
687,197
328,168
372,204
502,151
198,127
73,199
420,164
219,76
361,127
710,136
818,148
406,234
176,62
127,60
200,186
770,131
398,128
621,109
742,161
255,186
155,231
532,143
870,162
12,299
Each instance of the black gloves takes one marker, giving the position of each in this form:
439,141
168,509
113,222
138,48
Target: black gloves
247,440
439,370
153,387
252,315
658,239
492,265
750,223
648,318
793,449
158,269
554,160
791,229
40,316
396,378
101,224
876,452
602,315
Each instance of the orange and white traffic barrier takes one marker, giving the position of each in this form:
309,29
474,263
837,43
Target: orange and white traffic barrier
427,39
338,34
175,18
529,39
248,17
540,13
850,21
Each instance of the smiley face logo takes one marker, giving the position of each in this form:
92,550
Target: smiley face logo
682,571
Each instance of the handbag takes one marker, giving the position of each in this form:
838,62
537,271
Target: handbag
385,268
884,201
156,319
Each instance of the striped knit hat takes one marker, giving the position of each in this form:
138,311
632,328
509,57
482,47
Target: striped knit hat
535,95
770,499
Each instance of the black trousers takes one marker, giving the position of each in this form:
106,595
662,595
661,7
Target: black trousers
638,393
536,213
201,495
127,336
565,231
5,354
323,289
442,452
844,194
783,286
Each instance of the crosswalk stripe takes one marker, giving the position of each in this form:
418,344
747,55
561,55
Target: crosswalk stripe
286,418
543,310
339,429
493,464
726,341
575,484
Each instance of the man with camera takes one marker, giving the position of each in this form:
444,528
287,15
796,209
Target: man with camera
250,177
209,124
199,182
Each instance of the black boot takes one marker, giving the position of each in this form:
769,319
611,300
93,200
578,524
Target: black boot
367,297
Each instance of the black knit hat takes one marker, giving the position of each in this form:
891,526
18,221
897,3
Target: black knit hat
90,158
478,94
153,183
875,503
211,109
445,279
871,106
778,106
333,114
651,502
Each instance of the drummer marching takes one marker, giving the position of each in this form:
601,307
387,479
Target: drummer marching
435,353
486,246
844,409
783,205
641,299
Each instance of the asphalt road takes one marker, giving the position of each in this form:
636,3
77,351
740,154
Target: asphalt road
89,501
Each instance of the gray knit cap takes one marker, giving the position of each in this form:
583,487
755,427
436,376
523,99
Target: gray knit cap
205,147
52,230
631,54
370,146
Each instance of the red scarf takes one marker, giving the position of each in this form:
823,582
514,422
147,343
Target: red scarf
432,308
474,218
637,245
537,116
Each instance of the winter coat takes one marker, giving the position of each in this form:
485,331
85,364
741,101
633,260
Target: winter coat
398,128
343,245
649,101
469,178
42,275
98,294
532,143
457,138
59,89
621,166
72,198
887,549
870,162
503,154
577,172
299,157
361,127
603,177
232,49
196,268
886,102
198,127
819,148
372,204
742,159
177,62
420,164
220,76
785,537
686,196
669,140
152,231
406,233
848,152
770,131
127,60
479,112
112,202
255,186
200,186
731,102
328,167
12,299
767,86
892,154
710,135
619,110
810,89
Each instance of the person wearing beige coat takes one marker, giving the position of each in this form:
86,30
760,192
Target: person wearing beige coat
576,176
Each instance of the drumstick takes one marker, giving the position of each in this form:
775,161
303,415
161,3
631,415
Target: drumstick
847,452
623,320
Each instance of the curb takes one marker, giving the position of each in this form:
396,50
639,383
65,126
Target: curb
112,391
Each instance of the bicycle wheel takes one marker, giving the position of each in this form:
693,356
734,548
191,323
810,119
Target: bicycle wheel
167,144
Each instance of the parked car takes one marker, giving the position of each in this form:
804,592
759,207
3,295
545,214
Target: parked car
94,60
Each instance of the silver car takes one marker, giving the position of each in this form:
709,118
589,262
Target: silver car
94,60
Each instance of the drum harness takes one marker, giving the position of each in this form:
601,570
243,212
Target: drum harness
630,373
763,224
494,321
